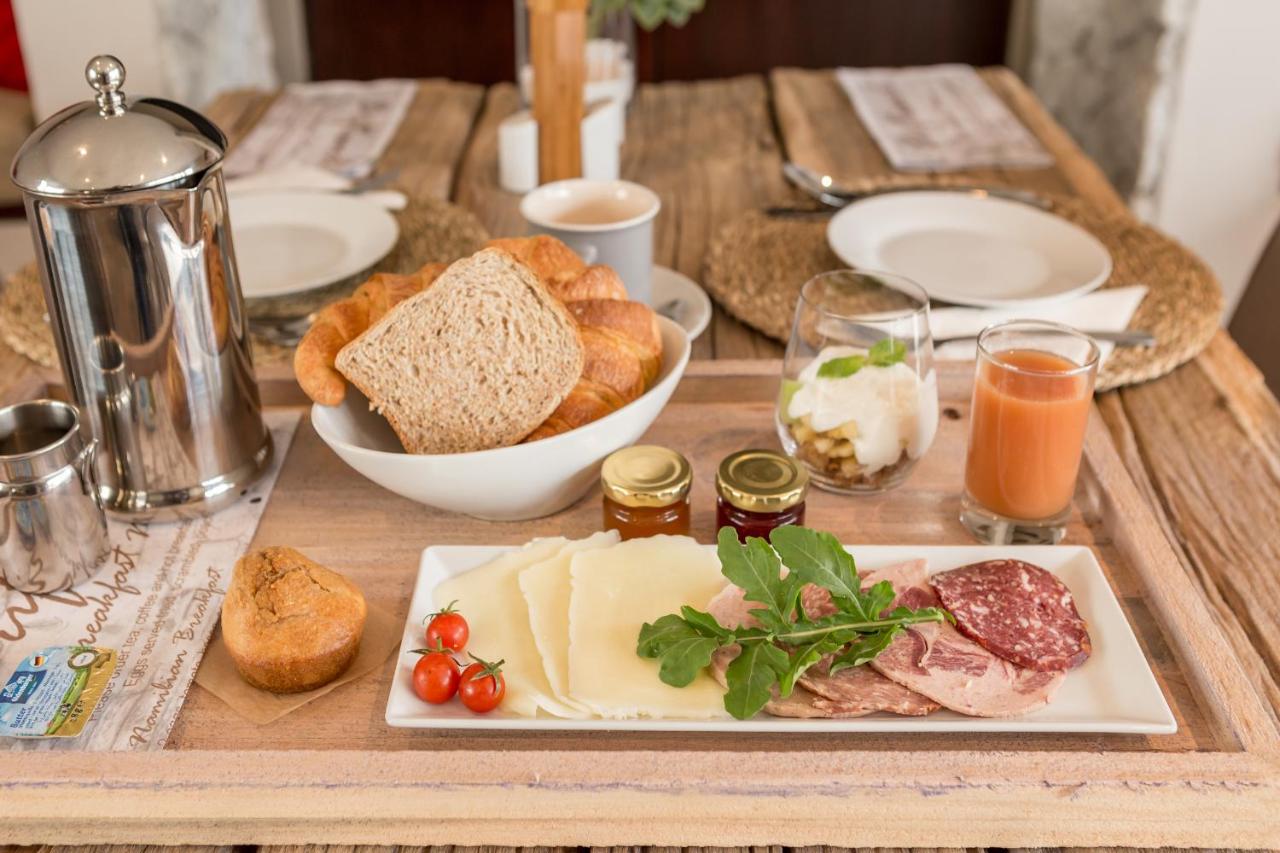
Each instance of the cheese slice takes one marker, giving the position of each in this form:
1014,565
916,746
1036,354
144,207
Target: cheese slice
614,591
489,597
546,593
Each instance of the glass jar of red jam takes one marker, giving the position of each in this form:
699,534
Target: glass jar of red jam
646,491
758,490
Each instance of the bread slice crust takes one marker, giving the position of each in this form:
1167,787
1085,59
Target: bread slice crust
476,361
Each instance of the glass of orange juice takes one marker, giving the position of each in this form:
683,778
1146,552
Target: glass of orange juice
1031,398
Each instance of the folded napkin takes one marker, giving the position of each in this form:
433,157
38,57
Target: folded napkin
297,176
1101,311
339,125
939,118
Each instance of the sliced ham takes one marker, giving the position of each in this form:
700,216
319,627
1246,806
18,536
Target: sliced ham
862,686
801,704
850,692
1017,611
935,660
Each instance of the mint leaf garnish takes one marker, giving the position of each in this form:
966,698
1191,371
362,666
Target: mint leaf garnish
887,352
839,368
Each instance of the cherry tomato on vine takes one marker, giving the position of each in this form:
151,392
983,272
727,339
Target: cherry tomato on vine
435,676
448,627
482,686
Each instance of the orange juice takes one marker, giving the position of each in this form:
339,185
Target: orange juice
1030,409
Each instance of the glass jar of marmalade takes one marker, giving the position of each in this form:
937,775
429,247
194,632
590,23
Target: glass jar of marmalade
646,491
758,490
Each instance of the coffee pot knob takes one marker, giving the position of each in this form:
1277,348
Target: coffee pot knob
105,74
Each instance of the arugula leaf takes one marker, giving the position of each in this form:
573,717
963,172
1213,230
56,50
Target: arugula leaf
756,569
924,614
802,658
683,646
887,352
817,558
787,642
666,631
865,649
751,677
704,622
869,605
840,368
684,659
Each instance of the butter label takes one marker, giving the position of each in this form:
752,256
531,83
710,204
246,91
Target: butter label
53,692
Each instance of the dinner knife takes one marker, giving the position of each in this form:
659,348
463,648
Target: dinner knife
1126,338
823,188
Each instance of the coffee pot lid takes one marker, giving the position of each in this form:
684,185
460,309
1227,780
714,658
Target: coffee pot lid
114,145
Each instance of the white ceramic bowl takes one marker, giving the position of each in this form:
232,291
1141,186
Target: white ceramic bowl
506,483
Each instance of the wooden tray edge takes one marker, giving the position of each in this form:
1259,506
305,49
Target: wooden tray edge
554,798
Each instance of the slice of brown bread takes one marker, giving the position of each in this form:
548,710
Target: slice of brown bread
477,361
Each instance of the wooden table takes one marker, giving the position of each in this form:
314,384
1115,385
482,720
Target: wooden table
1202,444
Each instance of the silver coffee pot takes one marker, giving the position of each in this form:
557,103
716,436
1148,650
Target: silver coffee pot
128,212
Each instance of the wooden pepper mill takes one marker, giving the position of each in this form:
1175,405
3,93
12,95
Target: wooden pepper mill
557,40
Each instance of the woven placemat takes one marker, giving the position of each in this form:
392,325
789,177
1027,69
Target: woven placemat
431,230
757,264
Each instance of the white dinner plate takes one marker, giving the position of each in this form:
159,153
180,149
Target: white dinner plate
970,249
1113,691
692,305
291,241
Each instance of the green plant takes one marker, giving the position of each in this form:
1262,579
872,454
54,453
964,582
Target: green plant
649,14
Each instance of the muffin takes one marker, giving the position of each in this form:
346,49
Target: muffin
289,623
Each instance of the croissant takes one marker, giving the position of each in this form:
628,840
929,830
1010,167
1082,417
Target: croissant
343,321
594,282
561,270
610,359
548,257
588,401
635,321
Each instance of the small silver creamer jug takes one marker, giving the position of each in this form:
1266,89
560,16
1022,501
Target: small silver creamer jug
128,212
53,533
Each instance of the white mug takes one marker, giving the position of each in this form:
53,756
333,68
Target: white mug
606,222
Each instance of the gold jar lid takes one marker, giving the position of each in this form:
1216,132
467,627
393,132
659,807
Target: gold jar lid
646,475
761,481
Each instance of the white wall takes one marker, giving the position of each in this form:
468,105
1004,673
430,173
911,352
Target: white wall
1219,191
186,50
59,37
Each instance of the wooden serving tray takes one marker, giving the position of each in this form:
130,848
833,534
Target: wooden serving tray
333,771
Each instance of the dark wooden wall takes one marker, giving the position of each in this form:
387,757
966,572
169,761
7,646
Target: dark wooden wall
1254,324
473,40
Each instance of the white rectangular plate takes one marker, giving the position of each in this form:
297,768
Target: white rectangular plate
1114,691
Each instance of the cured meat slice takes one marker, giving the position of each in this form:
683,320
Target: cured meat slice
1017,611
849,693
801,704
862,686
934,659
816,601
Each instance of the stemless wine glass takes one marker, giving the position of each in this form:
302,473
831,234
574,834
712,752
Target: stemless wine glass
1031,398
858,405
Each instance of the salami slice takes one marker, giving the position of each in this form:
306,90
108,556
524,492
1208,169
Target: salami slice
1016,611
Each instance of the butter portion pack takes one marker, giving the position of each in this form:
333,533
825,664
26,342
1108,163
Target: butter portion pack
53,692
